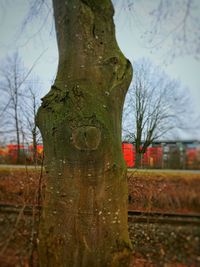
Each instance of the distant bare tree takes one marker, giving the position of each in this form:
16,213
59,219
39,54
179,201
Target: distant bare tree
30,110
154,106
13,78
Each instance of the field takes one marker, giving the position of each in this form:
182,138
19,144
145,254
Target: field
154,244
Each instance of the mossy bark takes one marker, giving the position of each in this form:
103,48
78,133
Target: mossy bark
84,218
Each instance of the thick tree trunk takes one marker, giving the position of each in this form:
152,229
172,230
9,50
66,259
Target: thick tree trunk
84,219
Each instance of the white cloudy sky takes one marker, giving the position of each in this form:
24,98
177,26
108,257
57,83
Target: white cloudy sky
32,44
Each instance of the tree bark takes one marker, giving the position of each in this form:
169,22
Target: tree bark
84,218
34,140
34,130
137,160
17,136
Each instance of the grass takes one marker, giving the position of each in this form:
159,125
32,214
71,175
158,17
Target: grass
164,191
19,185
148,190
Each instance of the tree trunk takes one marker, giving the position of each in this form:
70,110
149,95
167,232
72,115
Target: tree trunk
138,160
84,218
34,139
18,160
34,130
138,156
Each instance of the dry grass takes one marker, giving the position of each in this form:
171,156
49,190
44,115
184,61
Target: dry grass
164,191
148,190
19,186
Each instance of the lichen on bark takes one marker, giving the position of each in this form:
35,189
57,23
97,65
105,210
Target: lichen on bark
84,218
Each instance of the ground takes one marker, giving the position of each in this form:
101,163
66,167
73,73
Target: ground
153,244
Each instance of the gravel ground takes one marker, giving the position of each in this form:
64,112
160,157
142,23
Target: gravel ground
17,241
164,245
154,245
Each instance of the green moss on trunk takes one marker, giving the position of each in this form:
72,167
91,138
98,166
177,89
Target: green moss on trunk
84,219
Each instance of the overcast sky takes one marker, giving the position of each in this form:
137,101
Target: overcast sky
32,44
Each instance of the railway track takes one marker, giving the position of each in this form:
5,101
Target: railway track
163,218
27,209
133,216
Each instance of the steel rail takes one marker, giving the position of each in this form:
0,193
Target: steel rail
164,218
133,216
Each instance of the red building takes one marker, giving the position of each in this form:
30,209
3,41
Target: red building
129,154
166,154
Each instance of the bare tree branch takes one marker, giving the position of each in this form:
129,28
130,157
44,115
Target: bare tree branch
151,109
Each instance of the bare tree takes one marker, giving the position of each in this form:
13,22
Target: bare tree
30,108
11,87
154,106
